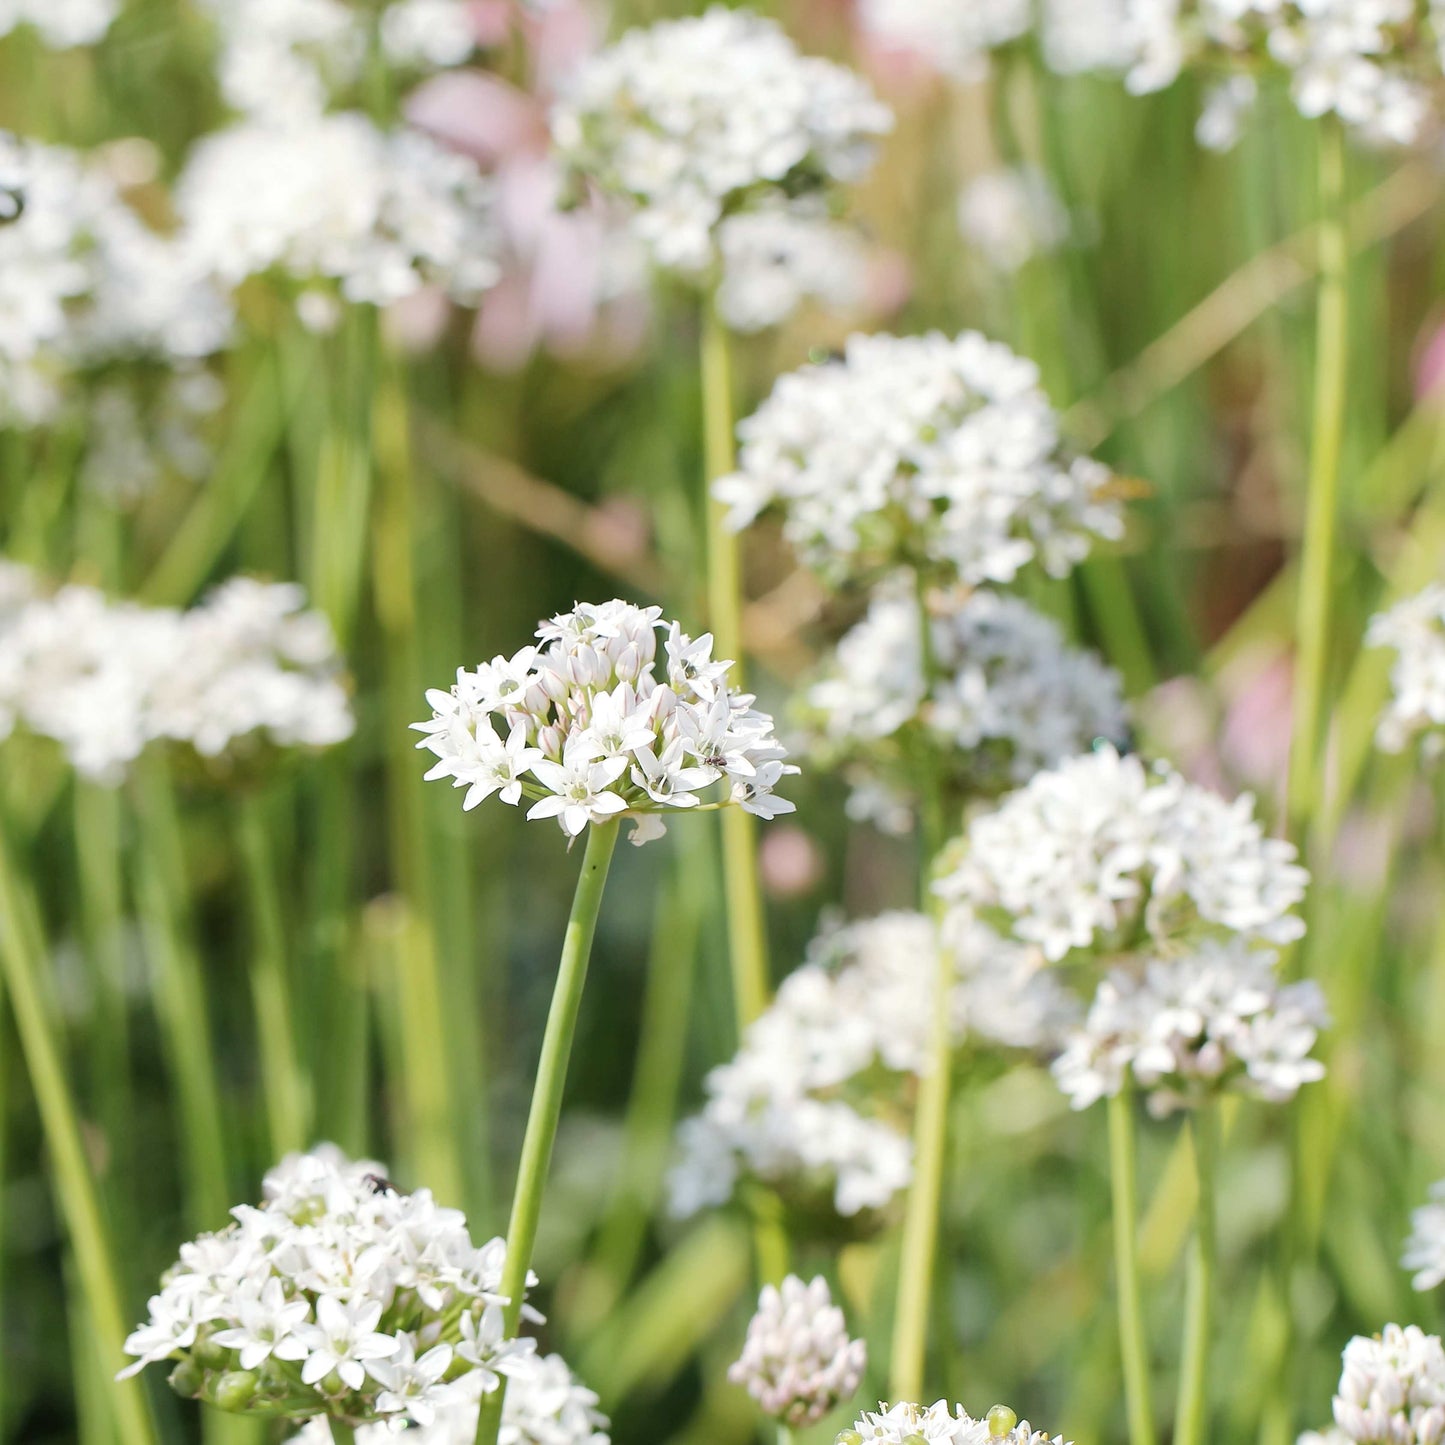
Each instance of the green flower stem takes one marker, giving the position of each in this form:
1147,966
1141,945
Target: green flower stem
1189,1419
180,996
1133,1348
22,961
1317,556
547,1096
785,1435
287,1090
342,1434
747,937
930,1125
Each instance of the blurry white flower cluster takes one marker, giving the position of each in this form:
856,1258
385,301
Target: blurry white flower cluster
338,1295
1011,215
60,24
816,1104
954,38
1425,1248
1415,629
925,452
906,1424
798,1361
83,281
695,121
334,198
1214,1018
1010,697
249,667
1391,1391
589,730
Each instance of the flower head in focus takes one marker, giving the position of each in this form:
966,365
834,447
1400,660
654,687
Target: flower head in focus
906,1423
1392,1389
798,1361
922,452
1415,629
599,721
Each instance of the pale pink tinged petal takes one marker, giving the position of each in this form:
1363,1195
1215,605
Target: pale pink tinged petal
491,21
416,322
888,283
480,114
564,279
564,34
506,331
527,190
1430,362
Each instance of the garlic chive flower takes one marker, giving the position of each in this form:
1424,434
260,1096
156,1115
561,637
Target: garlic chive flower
338,1295
60,24
1391,1390
906,1424
1425,1248
954,38
697,120
1415,629
925,452
599,722
798,1361
1214,1019
1009,697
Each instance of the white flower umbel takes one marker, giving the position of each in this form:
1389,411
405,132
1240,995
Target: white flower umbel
798,1362
921,452
1415,629
693,120
1425,1248
1392,1389
1010,216
599,722
816,1103
906,1424
61,24
1191,1027
1107,854
334,198
1009,696
954,38
339,1295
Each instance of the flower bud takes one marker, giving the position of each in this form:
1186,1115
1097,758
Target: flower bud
234,1390
187,1378
1001,1420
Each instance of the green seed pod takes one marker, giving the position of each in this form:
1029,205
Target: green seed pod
1001,1420
211,1355
333,1384
847,1437
235,1390
187,1378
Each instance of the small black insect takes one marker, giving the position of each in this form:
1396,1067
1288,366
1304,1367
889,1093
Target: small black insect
378,1185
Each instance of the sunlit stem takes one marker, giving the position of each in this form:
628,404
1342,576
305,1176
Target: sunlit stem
1189,1423
1133,1348
1317,556
546,1107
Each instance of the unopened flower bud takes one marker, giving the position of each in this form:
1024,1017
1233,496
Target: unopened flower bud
234,1390
187,1378
1001,1420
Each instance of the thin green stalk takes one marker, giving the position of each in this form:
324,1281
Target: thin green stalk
785,1435
1133,1348
1317,557
285,1086
342,1434
22,960
547,1093
1189,1416
747,936
180,996
930,1125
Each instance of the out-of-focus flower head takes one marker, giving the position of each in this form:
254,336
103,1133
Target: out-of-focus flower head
1415,629
955,39
60,24
1425,1248
1009,216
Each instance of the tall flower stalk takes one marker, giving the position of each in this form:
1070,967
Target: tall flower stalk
1133,1347
1190,1414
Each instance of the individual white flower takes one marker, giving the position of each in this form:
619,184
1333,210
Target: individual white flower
428,34
1425,1248
1392,1388
920,451
1415,629
955,39
1010,696
593,733
692,120
1009,216
61,24
332,197
1187,1028
342,1276
1107,854
798,1361
904,1424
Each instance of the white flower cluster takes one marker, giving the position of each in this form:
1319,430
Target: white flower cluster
248,666
920,451
334,198
1011,696
1010,216
545,1405
61,24
1415,629
798,1362
1425,1248
83,281
1107,854
954,38
906,1424
698,119
1392,1389
1217,1017
338,1295
816,1102
776,257
592,732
